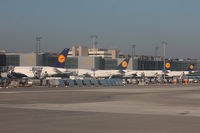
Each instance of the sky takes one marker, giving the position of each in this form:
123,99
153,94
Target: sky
117,23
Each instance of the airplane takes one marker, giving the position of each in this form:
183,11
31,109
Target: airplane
57,69
153,73
147,73
140,73
190,69
103,73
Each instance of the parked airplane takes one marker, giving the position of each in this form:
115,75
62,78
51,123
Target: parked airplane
153,73
146,73
181,73
103,73
42,71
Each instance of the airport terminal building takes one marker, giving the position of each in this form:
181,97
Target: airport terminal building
81,57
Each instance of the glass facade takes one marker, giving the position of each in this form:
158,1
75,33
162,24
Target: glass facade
100,63
12,60
183,65
71,62
158,65
110,64
40,61
147,65
50,60
46,59
2,60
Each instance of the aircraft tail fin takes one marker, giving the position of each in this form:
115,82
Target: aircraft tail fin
124,64
168,65
191,67
60,62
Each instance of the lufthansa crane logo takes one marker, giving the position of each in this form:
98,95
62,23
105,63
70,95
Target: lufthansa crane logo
191,67
31,59
89,62
61,58
124,64
167,65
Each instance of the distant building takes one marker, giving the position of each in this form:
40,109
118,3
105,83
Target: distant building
2,51
78,51
81,57
85,51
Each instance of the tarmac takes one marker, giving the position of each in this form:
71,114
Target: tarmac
127,109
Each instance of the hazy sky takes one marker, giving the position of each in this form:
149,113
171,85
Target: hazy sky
118,23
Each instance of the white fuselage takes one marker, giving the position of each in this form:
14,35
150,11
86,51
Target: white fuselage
46,70
108,73
147,73
28,70
177,73
97,73
151,73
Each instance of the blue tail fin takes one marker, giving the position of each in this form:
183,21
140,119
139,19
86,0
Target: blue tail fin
124,64
191,67
167,66
60,62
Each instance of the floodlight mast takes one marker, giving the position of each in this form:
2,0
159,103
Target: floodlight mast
133,52
156,55
38,39
164,43
94,43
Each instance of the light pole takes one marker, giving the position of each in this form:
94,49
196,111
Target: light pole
133,53
164,52
94,37
156,51
38,38
156,54
133,50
